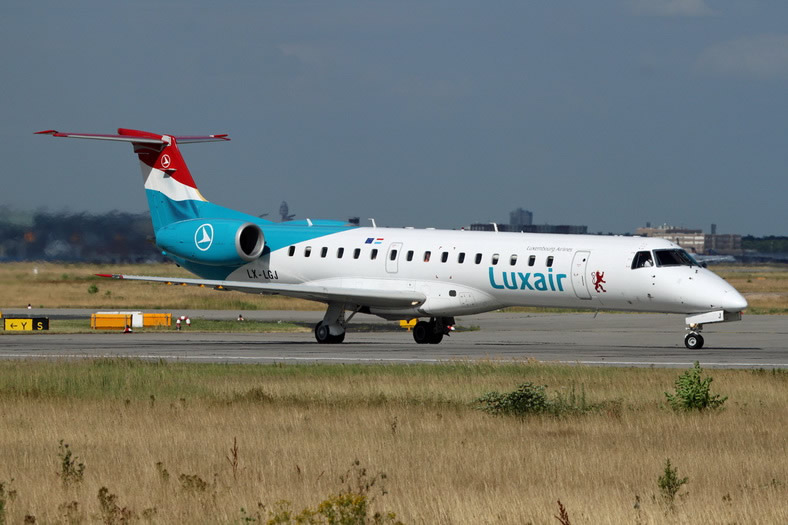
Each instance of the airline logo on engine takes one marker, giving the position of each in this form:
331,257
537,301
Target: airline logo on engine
203,237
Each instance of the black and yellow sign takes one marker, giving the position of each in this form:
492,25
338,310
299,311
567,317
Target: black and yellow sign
26,325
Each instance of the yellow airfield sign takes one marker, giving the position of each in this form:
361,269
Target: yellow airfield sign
26,325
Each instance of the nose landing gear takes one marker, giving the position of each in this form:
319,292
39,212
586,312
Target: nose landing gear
693,341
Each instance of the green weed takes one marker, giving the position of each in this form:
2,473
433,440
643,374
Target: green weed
351,506
111,512
693,392
669,484
526,399
71,471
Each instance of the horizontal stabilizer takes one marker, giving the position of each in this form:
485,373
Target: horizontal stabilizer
358,296
138,137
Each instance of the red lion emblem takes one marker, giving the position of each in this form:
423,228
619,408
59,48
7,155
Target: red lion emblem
598,279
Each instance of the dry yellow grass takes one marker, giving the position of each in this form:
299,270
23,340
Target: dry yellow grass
765,287
53,285
299,428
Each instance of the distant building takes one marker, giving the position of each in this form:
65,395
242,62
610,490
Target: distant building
521,220
724,243
695,241
520,217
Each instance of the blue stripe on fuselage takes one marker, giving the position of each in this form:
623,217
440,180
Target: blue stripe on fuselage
277,235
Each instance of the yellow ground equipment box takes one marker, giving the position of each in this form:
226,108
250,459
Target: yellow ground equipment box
119,320
156,319
105,321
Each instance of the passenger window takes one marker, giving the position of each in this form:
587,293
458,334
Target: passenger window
550,261
444,256
461,257
532,260
513,260
356,253
495,259
410,255
427,256
393,255
291,251
478,259
323,251
340,252
307,251
642,260
373,254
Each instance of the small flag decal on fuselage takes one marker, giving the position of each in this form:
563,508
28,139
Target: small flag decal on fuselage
373,240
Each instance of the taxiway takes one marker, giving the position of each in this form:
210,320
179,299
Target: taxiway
605,340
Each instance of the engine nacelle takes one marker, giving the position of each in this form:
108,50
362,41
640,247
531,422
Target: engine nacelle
216,242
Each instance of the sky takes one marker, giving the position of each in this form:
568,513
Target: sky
609,114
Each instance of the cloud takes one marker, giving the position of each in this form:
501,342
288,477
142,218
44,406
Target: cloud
671,8
764,56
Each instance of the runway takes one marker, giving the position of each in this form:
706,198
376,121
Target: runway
604,340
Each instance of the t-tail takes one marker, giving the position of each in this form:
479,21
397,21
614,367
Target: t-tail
178,210
172,193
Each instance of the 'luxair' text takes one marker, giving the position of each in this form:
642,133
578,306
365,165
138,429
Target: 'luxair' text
528,281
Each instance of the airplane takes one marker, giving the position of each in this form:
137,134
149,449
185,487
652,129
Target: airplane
405,273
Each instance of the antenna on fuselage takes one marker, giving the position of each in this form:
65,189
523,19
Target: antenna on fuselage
373,222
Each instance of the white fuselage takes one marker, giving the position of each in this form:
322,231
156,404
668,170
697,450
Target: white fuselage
466,272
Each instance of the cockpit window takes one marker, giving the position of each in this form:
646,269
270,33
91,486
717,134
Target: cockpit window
642,260
674,258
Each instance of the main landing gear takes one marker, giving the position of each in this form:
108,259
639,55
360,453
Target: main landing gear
432,331
331,330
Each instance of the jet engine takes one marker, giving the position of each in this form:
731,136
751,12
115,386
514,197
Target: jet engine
215,242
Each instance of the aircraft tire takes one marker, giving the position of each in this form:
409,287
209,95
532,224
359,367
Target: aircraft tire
322,334
693,341
421,332
436,338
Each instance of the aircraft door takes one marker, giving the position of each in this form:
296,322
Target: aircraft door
579,279
392,257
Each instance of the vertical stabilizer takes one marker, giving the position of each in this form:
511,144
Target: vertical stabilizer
172,194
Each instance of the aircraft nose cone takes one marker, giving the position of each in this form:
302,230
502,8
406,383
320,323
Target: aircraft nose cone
734,302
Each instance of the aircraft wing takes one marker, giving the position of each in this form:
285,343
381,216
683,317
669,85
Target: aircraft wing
325,294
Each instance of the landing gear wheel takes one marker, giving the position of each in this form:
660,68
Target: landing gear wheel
693,341
322,334
435,338
422,332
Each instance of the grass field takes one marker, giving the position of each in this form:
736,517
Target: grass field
49,285
160,438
